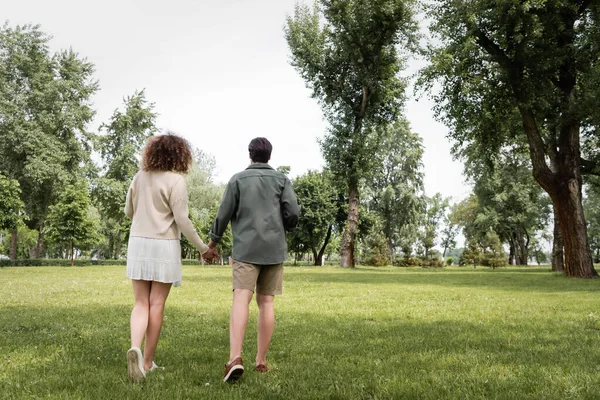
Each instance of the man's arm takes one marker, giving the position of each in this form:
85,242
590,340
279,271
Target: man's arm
227,209
290,210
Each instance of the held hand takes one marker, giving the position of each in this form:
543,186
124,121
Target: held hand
210,254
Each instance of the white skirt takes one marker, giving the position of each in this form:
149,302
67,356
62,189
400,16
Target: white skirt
151,259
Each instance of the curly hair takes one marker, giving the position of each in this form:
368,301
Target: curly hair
167,152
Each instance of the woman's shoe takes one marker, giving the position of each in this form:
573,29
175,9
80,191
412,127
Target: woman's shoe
135,365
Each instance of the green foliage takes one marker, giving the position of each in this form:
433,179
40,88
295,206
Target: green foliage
592,213
471,255
486,251
435,210
395,190
524,72
26,241
119,146
45,106
376,247
318,201
347,53
449,261
69,220
204,198
11,207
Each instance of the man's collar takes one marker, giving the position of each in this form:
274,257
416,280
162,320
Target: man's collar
259,166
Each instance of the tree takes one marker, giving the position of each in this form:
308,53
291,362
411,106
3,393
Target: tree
11,210
434,212
510,202
395,190
346,51
69,220
45,107
448,235
534,61
204,198
119,147
317,198
592,212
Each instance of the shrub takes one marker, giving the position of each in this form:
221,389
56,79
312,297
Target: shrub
449,261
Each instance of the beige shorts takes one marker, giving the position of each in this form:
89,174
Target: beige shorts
268,279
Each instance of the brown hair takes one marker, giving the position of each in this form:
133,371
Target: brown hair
260,150
167,153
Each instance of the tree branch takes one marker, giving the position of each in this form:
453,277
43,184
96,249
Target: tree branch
589,167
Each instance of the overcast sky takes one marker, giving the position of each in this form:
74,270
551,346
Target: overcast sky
219,74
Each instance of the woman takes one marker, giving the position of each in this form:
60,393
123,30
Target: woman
157,204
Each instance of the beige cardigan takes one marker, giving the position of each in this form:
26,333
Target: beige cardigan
157,204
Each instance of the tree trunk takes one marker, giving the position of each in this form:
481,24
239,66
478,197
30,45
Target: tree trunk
578,257
117,245
349,236
511,251
558,260
72,253
319,256
13,244
564,188
40,242
522,244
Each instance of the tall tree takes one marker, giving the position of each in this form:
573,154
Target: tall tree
69,220
448,235
45,107
347,52
119,146
11,210
435,209
490,56
396,186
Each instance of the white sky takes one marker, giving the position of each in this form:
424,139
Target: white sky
219,75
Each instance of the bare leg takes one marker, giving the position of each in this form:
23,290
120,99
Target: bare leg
158,295
139,315
266,325
238,321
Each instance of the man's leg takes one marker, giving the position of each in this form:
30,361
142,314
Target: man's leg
238,321
268,284
266,325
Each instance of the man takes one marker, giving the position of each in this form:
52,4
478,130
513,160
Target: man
261,205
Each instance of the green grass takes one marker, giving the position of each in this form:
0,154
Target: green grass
367,333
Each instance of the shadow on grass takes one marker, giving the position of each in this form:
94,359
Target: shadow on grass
79,352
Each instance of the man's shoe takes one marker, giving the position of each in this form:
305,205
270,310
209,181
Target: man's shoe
233,370
135,365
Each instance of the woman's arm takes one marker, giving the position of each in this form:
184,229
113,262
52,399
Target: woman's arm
179,206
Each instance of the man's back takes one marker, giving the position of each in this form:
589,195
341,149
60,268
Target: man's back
261,205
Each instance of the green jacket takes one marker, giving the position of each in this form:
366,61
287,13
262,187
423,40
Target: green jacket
261,205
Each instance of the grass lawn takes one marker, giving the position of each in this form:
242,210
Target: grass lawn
387,333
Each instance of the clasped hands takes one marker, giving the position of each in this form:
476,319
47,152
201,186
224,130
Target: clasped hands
211,253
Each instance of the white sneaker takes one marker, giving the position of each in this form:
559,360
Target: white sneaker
135,365
155,368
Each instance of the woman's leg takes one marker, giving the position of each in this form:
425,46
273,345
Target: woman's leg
139,315
158,295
